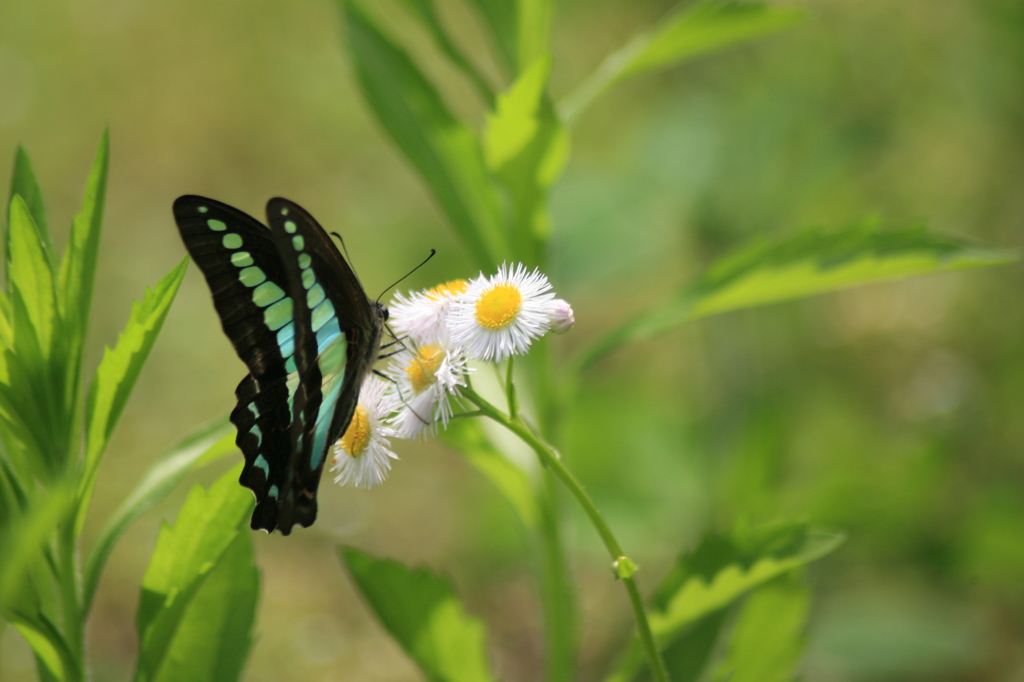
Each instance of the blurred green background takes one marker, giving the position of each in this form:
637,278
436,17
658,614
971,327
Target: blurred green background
892,412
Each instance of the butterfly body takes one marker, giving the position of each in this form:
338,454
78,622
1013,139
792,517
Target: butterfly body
301,322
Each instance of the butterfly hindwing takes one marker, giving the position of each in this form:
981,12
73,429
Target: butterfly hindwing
336,342
300,321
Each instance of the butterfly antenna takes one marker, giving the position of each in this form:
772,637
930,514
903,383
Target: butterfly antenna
433,252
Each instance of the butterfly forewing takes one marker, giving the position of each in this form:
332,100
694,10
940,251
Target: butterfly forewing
236,254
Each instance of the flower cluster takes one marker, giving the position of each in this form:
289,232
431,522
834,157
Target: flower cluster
439,332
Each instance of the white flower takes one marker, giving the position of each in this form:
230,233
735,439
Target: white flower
562,317
500,316
362,457
426,379
421,316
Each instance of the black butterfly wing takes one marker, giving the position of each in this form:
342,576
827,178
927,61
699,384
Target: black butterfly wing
337,339
243,269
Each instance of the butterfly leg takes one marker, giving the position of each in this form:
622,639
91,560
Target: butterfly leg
398,389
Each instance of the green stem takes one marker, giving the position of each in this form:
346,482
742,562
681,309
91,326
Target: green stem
556,588
71,609
510,391
466,415
553,462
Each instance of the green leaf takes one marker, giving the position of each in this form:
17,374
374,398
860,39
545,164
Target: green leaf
810,263
705,27
520,29
515,121
215,634
500,18
691,32
687,655
721,570
48,644
31,279
33,402
514,483
768,639
25,185
15,497
420,611
24,537
6,330
22,429
116,375
446,153
195,451
44,322
78,266
185,555
533,30
9,503
425,12
526,147
815,262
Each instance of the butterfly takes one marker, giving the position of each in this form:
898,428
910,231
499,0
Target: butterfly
300,321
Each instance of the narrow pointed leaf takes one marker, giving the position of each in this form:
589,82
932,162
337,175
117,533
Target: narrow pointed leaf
526,147
420,611
707,26
692,32
446,153
516,119
533,30
687,656
520,29
14,491
213,639
120,367
78,266
196,451
768,638
32,373
185,556
51,650
428,17
500,18
810,263
6,330
816,261
31,278
25,185
9,503
722,569
24,536
22,430
719,571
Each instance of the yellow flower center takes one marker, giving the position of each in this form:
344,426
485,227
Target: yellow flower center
422,368
357,435
498,307
453,288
